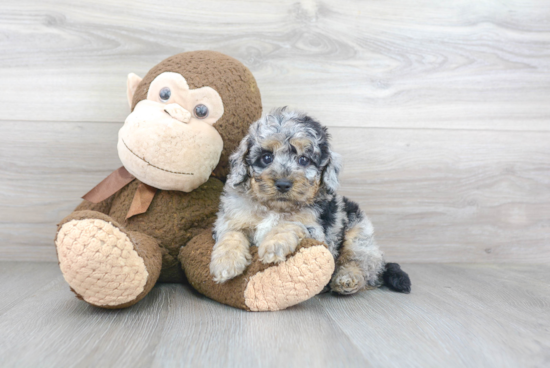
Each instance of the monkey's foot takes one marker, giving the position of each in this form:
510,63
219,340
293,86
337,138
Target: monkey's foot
261,287
100,263
299,278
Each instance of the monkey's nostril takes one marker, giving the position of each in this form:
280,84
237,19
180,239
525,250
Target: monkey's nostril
283,185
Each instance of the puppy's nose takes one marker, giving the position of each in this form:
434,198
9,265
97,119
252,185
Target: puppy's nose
283,185
178,112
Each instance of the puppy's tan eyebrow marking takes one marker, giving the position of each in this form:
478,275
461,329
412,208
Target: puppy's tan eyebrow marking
272,144
301,144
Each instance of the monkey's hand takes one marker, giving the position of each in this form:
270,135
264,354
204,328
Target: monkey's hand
281,241
230,256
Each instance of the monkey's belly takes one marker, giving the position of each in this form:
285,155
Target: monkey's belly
173,218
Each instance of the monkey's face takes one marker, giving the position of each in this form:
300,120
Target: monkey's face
168,141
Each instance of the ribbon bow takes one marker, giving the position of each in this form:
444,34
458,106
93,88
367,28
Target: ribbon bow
117,180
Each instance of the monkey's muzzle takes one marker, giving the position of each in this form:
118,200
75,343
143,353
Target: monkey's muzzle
177,112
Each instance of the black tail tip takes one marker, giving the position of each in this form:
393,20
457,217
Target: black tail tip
396,279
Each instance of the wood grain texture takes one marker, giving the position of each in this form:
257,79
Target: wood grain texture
456,316
316,342
433,195
20,280
456,64
451,196
439,109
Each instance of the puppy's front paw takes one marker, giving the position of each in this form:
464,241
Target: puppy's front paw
348,280
275,249
227,265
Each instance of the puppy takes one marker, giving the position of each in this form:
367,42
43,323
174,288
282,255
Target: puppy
282,189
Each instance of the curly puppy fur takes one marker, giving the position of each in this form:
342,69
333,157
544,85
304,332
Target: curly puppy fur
282,189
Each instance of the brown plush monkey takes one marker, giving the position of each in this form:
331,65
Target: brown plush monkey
150,220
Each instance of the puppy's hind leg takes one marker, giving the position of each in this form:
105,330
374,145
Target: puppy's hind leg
360,263
348,279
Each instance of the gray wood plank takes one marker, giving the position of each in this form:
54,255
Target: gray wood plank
433,195
451,196
302,336
54,329
355,63
171,327
458,315
19,280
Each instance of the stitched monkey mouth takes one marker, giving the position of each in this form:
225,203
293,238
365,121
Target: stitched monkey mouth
150,164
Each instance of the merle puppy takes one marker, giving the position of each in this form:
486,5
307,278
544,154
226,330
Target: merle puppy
282,189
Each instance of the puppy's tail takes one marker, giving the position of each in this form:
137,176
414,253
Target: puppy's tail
396,279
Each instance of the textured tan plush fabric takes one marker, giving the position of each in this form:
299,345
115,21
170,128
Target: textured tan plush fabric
262,287
302,276
103,267
104,264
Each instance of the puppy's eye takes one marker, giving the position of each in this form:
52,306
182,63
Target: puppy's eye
267,158
201,111
165,94
304,161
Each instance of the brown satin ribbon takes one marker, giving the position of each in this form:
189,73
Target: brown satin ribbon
117,180
142,199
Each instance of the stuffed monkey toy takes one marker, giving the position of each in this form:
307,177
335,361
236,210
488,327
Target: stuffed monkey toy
149,221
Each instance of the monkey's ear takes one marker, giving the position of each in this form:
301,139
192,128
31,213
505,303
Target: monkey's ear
239,168
331,171
131,86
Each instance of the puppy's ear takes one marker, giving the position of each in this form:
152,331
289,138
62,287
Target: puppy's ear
331,172
239,168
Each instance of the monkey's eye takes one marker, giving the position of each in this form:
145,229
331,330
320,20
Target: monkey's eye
304,161
165,94
201,111
267,158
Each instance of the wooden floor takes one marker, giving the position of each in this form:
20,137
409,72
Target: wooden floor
458,315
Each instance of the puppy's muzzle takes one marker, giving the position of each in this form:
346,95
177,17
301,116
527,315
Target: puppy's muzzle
283,185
